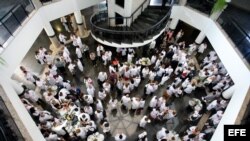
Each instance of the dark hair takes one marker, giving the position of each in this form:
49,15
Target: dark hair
120,136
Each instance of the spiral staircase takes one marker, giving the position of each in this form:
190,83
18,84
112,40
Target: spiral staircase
145,28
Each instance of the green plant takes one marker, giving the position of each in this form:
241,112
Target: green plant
219,5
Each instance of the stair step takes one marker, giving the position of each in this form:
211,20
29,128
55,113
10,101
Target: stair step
143,24
148,20
136,27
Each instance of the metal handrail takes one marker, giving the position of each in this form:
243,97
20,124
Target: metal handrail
239,27
132,15
124,35
115,31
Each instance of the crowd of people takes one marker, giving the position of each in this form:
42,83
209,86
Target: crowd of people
64,111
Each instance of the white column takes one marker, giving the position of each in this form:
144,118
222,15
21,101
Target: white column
74,24
229,92
214,16
173,23
80,22
199,39
51,33
37,4
182,2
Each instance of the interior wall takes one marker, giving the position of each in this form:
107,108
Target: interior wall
16,51
231,60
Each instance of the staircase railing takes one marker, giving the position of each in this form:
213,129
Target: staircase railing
124,35
238,35
131,17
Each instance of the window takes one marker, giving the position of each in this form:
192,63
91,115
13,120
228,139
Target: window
118,19
120,3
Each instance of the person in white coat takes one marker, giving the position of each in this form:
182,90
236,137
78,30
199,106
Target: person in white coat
153,102
79,42
62,38
162,133
65,23
91,90
144,121
164,78
102,94
126,101
113,104
78,52
79,65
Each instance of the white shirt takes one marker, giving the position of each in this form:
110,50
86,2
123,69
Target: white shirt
153,59
99,49
202,47
189,89
99,105
145,72
149,89
78,53
82,133
88,110
153,102
88,99
52,137
31,95
212,105
99,115
79,65
91,91
106,87
71,67
154,113
62,38
161,134
126,89
143,121
102,95
152,45
113,104
135,103
126,101
142,103
102,76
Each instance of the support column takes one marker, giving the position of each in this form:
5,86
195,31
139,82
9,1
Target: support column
74,24
51,33
228,93
37,4
182,2
173,23
200,38
80,23
214,16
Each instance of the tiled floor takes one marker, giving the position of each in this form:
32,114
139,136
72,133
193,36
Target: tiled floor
121,120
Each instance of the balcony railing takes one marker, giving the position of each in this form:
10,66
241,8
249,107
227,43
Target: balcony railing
238,35
204,6
8,128
13,19
124,35
128,20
